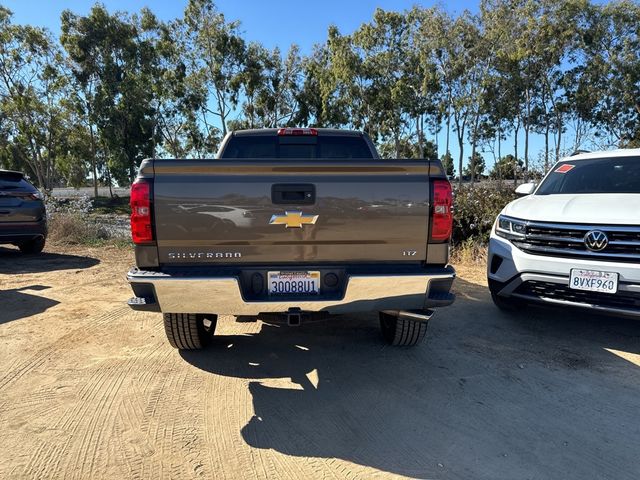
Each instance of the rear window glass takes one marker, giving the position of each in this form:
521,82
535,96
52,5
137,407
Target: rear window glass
15,182
602,175
263,146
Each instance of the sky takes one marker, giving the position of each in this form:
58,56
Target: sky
272,23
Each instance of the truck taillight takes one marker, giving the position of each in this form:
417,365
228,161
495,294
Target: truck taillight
297,131
141,226
441,216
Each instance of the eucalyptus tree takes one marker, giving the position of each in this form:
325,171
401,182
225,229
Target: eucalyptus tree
463,59
277,100
321,96
176,96
31,92
447,164
349,80
112,69
383,47
422,75
432,26
554,32
214,57
607,86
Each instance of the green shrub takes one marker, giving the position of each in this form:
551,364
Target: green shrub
475,209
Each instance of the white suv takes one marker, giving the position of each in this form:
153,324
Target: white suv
573,240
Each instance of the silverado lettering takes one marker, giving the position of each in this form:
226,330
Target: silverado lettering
176,256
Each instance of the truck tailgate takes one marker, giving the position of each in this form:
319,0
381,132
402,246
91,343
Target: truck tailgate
289,211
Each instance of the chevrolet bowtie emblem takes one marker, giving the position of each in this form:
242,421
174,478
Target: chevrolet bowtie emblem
293,219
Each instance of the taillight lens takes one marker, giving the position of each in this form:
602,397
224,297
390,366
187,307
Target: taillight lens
141,226
26,195
442,216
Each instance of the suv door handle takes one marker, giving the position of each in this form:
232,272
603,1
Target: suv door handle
293,194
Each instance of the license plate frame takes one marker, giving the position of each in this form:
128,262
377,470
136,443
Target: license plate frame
293,282
593,281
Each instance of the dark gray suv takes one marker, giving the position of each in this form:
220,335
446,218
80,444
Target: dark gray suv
23,219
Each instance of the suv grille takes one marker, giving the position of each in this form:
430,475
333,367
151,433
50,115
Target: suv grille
532,288
568,240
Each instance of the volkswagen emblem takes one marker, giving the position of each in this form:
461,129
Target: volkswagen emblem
596,241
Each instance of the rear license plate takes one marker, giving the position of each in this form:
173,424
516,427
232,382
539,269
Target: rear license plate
296,283
593,281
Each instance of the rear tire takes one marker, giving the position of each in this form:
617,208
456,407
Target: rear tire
189,331
402,332
32,246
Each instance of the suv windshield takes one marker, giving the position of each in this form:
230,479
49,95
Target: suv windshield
273,146
601,175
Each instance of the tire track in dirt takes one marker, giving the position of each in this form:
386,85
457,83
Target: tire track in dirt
136,412
91,327
100,415
94,400
222,426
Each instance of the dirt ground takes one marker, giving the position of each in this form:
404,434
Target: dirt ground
91,389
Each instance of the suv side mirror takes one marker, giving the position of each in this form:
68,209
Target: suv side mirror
526,189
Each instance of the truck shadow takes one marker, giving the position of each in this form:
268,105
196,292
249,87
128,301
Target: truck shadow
17,303
483,387
13,261
319,396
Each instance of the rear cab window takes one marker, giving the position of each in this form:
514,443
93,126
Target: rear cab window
321,146
14,182
601,175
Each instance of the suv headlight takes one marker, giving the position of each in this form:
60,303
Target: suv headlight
510,228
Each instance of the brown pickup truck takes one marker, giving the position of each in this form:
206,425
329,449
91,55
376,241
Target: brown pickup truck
298,222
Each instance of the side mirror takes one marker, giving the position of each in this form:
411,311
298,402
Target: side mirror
526,189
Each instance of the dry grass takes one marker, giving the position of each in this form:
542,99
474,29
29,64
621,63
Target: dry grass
469,253
81,229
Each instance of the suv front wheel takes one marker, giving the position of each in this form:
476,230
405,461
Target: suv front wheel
506,304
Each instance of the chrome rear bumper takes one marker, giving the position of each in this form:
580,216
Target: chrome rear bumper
223,296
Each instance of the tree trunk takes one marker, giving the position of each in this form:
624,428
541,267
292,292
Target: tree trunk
420,126
94,166
526,152
559,139
474,142
109,182
526,136
448,124
460,157
499,170
515,153
546,148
